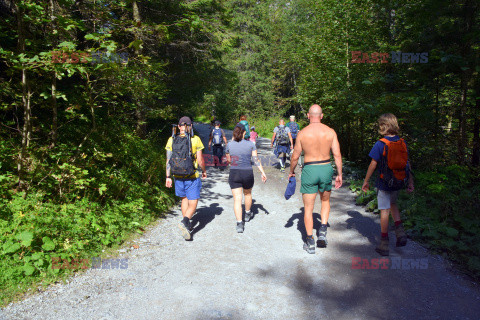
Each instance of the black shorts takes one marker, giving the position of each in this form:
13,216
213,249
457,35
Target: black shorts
241,179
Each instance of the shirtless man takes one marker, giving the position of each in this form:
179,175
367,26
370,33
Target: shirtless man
316,141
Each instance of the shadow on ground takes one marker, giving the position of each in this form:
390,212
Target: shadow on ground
365,226
204,216
317,222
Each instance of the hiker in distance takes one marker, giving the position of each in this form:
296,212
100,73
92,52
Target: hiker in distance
243,120
239,154
283,143
391,153
217,136
316,141
184,156
294,128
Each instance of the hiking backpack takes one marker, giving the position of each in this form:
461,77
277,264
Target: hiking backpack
293,126
181,162
247,129
282,136
394,164
217,136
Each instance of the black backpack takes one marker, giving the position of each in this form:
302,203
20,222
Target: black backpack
181,162
282,136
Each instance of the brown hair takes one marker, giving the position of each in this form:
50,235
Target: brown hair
388,124
243,117
238,134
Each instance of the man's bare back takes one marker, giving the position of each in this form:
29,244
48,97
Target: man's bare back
316,141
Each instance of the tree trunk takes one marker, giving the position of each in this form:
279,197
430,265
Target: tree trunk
476,127
54,132
27,112
462,120
141,128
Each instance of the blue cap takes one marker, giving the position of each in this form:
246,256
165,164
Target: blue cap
292,184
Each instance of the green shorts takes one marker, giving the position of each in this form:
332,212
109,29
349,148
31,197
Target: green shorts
316,178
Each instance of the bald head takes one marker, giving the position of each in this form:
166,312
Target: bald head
315,112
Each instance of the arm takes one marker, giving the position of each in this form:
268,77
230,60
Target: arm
201,163
229,159
168,182
273,140
297,151
291,140
410,186
258,163
210,140
224,137
371,169
337,155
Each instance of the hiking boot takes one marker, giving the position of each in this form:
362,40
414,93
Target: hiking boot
382,248
184,228
282,169
401,236
248,216
309,245
322,238
240,227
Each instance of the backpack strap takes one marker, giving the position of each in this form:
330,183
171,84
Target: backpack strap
387,144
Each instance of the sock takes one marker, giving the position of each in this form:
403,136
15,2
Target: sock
397,223
384,235
186,220
248,211
239,221
310,237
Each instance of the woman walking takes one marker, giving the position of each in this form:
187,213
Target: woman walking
239,154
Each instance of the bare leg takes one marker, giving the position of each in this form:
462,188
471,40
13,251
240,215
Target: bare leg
325,212
384,220
248,199
308,203
184,205
237,203
192,207
395,212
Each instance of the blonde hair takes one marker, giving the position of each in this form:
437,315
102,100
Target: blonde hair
388,124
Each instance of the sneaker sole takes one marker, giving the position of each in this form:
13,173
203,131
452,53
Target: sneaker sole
239,231
322,243
185,233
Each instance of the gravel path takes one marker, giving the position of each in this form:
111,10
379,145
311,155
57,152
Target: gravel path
262,273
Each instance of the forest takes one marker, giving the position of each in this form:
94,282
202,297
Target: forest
89,90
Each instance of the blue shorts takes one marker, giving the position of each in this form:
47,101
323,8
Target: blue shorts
188,188
281,149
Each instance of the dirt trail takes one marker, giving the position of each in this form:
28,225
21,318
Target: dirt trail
262,273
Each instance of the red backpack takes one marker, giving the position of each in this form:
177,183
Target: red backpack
394,164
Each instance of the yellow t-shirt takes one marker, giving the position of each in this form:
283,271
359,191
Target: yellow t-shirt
197,145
